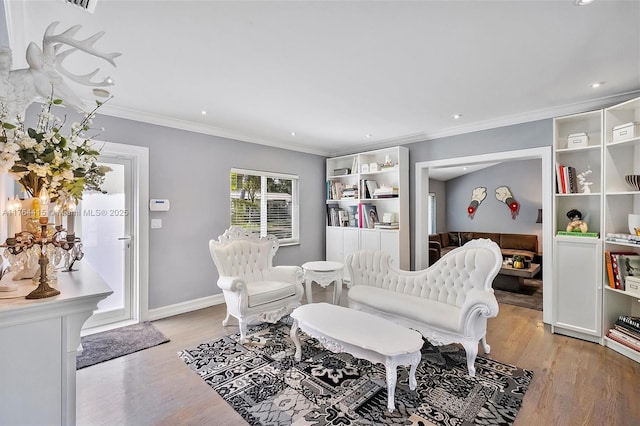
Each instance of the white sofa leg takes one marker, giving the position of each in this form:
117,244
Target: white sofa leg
225,321
243,331
471,348
485,345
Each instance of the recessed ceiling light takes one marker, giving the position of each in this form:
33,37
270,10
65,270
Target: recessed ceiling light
368,135
583,2
464,168
203,112
293,133
457,116
596,84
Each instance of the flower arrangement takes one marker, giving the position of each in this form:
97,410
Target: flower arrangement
43,159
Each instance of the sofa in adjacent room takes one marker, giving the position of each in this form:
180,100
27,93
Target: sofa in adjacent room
510,244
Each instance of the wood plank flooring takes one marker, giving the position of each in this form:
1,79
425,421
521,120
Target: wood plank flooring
575,382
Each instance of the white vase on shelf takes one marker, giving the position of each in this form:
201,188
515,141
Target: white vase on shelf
634,223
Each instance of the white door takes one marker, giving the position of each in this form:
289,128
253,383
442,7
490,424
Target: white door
105,222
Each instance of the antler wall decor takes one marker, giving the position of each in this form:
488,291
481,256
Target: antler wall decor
19,88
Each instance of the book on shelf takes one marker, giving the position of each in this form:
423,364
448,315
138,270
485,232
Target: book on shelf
578,234
355,167
623,238
332,214
387,225
628,331
372,185
566,180
630,322
343,216
385,192
624,340
609,263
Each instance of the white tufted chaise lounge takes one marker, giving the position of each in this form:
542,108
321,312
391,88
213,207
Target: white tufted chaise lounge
449,302
254,290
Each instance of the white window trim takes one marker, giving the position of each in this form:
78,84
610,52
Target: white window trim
295,208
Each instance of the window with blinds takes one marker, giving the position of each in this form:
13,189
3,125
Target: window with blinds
265,202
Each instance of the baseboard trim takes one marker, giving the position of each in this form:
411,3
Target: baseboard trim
184,307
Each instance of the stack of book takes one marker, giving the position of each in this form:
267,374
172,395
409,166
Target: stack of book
385,192
387,225
566,182
350,192
626,331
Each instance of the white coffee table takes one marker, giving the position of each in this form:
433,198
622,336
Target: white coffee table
324,273
362,335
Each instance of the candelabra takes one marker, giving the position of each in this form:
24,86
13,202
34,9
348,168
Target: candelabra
48,242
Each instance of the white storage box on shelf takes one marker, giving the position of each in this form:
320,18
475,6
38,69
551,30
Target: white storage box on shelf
632,285
626,131
577,140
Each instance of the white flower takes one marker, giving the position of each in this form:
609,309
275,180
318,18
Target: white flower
40,170
26,142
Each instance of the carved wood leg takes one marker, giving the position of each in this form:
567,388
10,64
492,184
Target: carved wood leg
243,331
485,345
392,378
294,336
413,383
471,348
225,321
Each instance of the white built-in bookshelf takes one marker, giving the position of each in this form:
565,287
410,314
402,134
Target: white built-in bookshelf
367,200
587,303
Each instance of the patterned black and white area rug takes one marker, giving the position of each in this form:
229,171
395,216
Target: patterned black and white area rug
266,386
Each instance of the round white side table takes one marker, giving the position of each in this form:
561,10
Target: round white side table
323,273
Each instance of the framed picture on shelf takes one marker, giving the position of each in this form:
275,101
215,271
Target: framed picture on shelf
370,214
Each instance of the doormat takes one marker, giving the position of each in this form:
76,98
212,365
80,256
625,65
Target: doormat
111,344
266,386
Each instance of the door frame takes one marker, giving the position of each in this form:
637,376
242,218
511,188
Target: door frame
139,156
422,187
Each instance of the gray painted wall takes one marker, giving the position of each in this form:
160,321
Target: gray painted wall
192,171
523,178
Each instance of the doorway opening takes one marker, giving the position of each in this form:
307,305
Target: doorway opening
422,216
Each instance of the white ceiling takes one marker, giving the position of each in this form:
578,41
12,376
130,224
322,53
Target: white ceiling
334,72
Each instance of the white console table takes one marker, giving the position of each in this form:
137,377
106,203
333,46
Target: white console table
39,340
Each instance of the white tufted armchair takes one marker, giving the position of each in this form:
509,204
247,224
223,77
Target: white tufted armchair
449,302
254,290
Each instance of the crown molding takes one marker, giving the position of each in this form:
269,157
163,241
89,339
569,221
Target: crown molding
541,114
190,126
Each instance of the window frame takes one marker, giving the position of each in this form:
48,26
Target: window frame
295,201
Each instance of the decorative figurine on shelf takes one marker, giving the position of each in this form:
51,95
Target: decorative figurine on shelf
477,196
582,181
576,223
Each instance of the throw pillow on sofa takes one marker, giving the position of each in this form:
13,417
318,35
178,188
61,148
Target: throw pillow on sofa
454,239
465,237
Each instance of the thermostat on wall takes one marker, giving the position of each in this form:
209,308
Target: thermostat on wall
157,205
